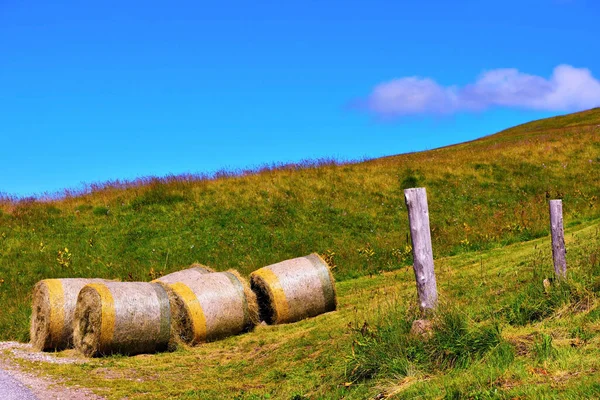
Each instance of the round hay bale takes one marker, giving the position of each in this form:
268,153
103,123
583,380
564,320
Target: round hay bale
178,276
52,311
122,317
294,289
207,307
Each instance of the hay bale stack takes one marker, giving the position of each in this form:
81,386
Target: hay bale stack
207,307
122,317
52,311
186,274
295,289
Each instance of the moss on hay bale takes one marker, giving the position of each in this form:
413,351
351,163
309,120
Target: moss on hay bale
52,309
122,317
294,289
208,307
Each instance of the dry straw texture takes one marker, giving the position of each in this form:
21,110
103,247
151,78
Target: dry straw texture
186,274
122,317
53,305
210,306
294,289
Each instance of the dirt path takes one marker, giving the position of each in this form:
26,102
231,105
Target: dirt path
11,389
14,381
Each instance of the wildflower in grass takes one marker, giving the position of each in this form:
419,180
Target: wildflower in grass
402,254
64,258
368,253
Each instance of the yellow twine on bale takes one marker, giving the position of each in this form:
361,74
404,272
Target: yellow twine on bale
195,309
107,325
277,293
57,308
53,306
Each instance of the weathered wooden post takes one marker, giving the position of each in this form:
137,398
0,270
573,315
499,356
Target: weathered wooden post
558,239
418,218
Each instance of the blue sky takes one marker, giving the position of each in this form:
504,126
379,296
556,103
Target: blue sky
96,91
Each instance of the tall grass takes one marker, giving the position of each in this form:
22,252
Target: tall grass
389,349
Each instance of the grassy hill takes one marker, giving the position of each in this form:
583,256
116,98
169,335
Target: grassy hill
500,336
486,198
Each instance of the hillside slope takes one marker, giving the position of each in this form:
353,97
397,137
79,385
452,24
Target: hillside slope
549,351
482,194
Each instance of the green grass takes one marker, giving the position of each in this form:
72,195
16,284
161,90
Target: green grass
364,348
501,335
390,350
483,194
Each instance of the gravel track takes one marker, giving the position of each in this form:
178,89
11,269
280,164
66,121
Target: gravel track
15,383
11,389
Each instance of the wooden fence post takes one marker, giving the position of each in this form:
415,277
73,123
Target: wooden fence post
558,239
418,218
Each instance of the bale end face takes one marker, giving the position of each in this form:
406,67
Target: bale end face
88,322
39,330
264,299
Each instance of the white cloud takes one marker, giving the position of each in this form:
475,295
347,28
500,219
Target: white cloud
568,89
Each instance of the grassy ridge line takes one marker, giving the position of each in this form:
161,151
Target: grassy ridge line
309,359
585,119
118,185
483,194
